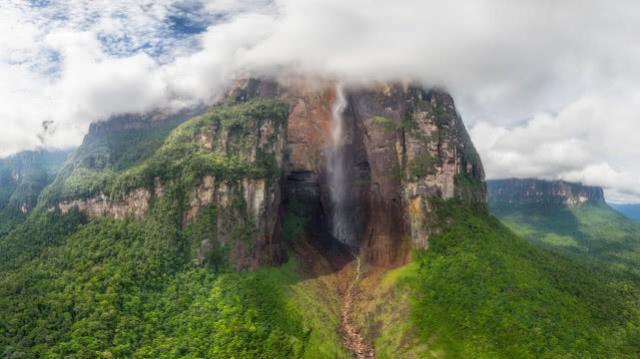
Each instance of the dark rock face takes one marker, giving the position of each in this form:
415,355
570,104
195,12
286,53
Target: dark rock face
405,147
418,151
516,192
262,197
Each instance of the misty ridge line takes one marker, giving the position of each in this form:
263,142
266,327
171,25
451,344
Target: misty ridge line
502,61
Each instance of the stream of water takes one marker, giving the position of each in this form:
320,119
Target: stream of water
353,340
342,227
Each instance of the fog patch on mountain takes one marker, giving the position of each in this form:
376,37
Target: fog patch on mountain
547,88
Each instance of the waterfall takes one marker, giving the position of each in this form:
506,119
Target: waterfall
342,226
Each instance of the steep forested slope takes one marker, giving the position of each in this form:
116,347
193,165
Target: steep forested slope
484,292
72,285
591,231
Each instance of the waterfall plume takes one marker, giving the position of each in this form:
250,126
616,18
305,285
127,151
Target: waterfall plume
342,226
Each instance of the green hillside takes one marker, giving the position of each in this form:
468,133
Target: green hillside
76,287
123,288
589,231
483,292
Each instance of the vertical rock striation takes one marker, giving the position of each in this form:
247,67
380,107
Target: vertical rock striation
418,152
401,149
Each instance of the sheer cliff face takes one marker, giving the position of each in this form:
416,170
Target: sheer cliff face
273,149
518,192
220,172
418,152
404,149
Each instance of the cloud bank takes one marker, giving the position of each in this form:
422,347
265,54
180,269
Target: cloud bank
593,140
548,88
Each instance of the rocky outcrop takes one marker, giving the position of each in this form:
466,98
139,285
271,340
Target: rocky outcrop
262,211
518,192
406,148
244,206
403,150
135,204
418,152
228,161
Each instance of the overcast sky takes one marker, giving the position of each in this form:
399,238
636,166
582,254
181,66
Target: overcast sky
547,88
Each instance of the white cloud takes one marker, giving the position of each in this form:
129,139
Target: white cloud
549,87
89,86
594,140
202,75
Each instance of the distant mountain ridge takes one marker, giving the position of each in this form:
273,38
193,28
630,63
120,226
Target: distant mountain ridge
22,177
568,218
513,192
133,121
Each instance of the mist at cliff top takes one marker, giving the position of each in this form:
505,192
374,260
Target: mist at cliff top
547,88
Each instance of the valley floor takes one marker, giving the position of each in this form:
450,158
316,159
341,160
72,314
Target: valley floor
353,340
369,307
